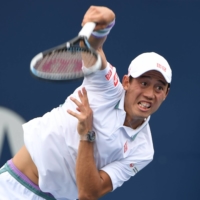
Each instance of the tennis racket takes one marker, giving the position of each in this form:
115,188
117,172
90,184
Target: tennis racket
64,62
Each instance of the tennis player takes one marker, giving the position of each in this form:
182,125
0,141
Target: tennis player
99,138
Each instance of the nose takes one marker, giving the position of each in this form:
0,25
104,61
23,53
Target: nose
149,93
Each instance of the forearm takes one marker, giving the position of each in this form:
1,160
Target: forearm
97,44
87,175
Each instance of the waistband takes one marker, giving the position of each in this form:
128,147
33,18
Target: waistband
24,180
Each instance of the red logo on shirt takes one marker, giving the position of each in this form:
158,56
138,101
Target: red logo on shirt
109,74
115,79
125,147
131,165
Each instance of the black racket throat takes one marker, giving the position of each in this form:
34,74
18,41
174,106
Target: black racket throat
79,43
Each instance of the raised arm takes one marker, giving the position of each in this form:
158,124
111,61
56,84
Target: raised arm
92,183
104,19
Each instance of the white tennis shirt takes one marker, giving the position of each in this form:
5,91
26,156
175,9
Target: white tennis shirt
52,140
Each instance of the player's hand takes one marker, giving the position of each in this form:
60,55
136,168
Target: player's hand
85,114
102,16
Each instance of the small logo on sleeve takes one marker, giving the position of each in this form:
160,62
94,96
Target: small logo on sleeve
133,168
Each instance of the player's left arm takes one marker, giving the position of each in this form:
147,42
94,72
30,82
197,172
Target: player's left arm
92,183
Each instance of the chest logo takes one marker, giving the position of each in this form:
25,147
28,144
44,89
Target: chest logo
125,147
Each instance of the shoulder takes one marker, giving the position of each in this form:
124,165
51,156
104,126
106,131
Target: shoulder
106,79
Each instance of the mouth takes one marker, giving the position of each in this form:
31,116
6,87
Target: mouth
144,105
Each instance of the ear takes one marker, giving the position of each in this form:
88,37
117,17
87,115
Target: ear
167,92
125,82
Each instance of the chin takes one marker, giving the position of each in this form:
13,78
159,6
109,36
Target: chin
144,115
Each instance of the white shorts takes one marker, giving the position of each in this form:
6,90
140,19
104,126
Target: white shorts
15,185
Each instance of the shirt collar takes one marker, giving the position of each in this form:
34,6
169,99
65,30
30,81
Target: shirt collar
120,103
134,132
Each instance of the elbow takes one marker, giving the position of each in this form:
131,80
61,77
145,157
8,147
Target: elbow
88,196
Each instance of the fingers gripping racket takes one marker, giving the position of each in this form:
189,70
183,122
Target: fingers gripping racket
64,62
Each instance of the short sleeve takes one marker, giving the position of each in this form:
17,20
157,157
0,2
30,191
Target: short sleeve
104,83
121,171
139,157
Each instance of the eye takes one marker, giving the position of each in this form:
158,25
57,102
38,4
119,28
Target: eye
159,88
144,83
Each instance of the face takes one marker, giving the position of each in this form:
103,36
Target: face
144,94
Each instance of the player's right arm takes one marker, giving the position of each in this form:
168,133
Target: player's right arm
102,16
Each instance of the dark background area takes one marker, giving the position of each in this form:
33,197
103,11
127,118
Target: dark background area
170,28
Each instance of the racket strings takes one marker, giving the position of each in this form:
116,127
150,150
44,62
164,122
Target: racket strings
89,59
66,63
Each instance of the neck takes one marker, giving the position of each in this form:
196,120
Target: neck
134,123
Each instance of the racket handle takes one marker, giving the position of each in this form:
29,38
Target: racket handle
87,29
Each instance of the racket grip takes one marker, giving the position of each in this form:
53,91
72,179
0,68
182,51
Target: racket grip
87,29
